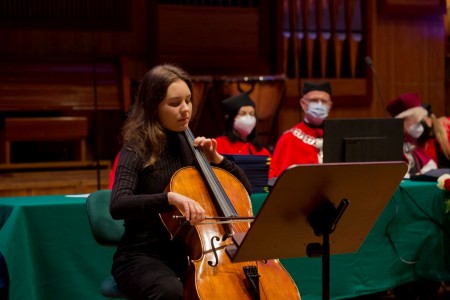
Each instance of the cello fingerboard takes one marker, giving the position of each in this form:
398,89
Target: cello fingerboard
215,188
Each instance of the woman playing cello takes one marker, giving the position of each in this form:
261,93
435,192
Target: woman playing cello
149,263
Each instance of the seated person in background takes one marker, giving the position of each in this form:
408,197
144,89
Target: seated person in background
419,139
443,137
435,138
239,136
302,144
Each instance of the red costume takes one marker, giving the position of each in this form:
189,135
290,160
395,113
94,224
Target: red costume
301,144
112,173
430,147
225,146
420,156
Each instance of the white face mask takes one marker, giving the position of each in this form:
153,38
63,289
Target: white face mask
316,113
415,130
244,125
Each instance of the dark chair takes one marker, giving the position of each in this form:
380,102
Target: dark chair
106,232
4,279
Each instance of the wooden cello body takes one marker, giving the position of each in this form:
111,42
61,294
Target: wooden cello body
211,273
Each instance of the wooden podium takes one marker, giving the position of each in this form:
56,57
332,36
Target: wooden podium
282,228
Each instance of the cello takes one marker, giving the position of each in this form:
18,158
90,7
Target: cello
211,273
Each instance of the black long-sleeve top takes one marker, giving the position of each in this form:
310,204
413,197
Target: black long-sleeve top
138,193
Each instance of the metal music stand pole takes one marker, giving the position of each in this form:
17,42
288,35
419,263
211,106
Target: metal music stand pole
323,219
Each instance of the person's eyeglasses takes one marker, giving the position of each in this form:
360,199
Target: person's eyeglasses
317,100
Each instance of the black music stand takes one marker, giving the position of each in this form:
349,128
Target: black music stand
304,194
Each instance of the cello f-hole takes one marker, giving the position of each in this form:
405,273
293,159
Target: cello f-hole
214,251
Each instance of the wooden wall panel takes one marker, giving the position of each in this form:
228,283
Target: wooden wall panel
408,53
81,42
210,40
85,44
407,50
87,14
412,7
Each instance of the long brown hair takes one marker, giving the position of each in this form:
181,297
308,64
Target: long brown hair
142,131
441,136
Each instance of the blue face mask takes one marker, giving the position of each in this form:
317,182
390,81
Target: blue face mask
316,113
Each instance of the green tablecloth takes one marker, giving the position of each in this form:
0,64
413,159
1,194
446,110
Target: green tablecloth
49,249
51,254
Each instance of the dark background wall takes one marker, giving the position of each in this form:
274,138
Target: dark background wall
299,39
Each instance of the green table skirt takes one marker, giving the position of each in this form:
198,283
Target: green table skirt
51,254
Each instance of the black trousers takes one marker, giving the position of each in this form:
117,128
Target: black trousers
4,279
148,274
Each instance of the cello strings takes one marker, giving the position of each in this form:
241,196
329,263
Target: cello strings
216,188
224,202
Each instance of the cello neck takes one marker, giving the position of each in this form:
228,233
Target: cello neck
212,183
